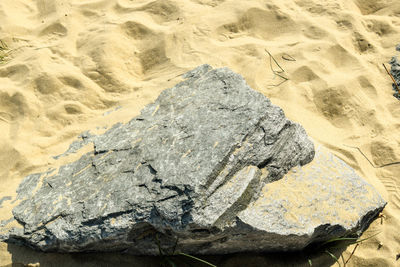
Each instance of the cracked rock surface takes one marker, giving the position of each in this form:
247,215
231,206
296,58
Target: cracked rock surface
205,167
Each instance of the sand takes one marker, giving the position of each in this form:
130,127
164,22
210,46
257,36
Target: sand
85,65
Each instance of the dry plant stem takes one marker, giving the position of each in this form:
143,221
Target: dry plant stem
370,162
163,254
382,216
4,51
175,76
276,72
272,58
3,45
276,85
341,256
344,263
355,241
352,253
282,76
391,76
197,259
288,57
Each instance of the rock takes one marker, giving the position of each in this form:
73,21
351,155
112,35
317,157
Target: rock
395,71
323,198
204,167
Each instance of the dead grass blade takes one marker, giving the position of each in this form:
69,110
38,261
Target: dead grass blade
288,57
391,76
4,51
276,72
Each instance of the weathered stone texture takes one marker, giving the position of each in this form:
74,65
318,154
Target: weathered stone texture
205,163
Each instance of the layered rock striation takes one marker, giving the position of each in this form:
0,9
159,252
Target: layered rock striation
203,168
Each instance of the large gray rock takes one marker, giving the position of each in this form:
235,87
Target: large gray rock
205,165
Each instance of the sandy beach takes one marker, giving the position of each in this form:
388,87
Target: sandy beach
74,66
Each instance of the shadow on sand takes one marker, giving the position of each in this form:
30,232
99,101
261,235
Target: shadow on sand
22,256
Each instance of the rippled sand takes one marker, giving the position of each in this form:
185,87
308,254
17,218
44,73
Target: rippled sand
85,65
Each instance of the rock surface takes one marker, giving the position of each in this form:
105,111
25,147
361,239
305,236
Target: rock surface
395,71
204,167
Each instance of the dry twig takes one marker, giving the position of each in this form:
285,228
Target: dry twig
276,72
370,162
352,253
391,76
288,57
